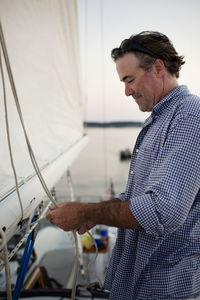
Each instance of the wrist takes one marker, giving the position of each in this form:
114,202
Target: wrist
91,213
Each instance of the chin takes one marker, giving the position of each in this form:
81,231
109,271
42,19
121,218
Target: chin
143,109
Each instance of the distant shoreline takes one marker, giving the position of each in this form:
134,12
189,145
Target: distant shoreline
113,124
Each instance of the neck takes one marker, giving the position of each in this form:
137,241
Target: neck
168,85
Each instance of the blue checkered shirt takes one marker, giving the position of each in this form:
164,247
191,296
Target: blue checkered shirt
162,261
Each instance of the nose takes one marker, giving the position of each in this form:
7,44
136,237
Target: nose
128,90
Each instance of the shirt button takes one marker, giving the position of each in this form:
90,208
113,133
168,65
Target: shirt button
131,171
137,150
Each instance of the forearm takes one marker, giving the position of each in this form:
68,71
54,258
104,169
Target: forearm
82,216
112,213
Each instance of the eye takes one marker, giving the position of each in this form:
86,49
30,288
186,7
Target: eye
130,81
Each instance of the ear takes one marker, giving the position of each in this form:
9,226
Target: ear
159,68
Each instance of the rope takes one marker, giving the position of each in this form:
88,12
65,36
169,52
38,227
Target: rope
76,267
12,83
93,261
8,131
79,247
34,163
77,242
32,156
4,251
33,226
72,197
24,264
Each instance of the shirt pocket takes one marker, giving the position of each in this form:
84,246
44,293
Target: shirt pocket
145,161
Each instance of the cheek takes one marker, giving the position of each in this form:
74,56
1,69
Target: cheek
149,88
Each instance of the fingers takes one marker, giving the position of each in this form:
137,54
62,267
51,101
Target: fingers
90,225
82,229
85,227
49,217
52,207
67,216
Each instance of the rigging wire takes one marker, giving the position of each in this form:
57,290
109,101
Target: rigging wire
103,92
86,58
102,82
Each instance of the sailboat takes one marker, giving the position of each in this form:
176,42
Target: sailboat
41,113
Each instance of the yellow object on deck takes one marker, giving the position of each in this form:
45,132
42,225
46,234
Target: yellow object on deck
86,240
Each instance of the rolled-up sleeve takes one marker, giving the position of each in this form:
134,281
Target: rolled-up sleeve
121,196
173,182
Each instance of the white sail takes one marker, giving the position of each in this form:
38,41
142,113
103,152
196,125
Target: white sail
42,44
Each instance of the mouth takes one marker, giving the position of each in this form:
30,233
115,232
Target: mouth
137,99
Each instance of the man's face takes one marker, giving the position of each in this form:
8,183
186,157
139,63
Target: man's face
143,86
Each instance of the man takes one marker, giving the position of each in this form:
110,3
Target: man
157,251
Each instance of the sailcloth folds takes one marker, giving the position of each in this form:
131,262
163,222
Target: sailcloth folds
42,45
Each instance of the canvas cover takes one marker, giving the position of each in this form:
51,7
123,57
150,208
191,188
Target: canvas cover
42,44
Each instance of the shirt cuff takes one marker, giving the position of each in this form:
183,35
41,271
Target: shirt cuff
144,211
121,196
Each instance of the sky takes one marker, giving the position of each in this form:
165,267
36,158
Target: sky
103,24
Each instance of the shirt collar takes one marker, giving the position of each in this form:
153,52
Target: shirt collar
168,100
166,103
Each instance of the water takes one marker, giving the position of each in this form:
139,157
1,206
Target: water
98,163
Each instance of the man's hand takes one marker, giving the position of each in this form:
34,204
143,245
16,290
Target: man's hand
69,216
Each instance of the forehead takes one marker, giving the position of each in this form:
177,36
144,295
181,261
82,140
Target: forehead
127,65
